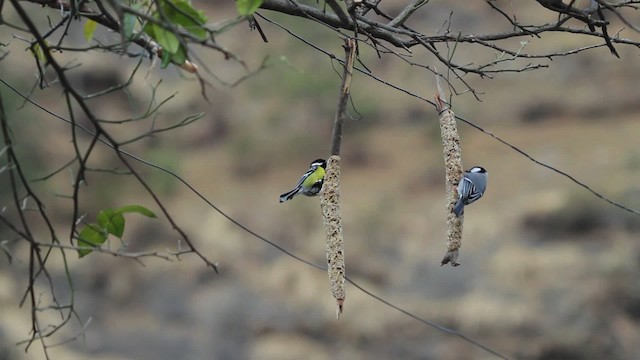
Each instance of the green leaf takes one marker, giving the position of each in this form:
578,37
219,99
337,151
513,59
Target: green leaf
129,23
139,209
112,222
166,59
166,39
148,29
247,7
39,53
179,57
104,217
90,237
182,13
89,29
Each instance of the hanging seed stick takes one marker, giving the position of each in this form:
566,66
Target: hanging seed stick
330,193
453,175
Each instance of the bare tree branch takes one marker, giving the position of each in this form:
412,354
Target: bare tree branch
407,12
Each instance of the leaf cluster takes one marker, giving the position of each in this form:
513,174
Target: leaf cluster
110,221
181,14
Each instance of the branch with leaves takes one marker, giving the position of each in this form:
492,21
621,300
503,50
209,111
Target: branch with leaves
164,29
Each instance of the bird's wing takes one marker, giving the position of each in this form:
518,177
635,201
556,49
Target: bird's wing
473,195
305,176
464,188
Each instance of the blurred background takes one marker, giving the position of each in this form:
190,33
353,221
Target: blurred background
548,270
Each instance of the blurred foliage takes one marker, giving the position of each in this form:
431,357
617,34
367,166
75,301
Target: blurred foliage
375,223
579,216
582,215
247,157
295,86
633,160
247,7
563,352
166,157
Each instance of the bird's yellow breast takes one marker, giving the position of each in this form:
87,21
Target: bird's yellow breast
316,175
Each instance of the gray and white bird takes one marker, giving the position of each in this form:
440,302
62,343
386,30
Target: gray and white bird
470,188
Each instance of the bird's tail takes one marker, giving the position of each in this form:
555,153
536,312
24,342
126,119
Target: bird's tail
289,195
459,208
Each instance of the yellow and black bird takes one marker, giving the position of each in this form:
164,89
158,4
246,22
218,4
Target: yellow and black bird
310,183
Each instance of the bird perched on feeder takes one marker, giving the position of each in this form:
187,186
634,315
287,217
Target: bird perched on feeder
470,188
310,183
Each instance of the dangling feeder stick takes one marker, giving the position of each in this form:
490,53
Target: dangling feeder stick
453,174
330,193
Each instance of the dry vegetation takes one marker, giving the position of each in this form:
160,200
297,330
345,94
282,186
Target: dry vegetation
548,271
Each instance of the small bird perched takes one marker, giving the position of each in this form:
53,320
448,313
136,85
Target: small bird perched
310,183
470,188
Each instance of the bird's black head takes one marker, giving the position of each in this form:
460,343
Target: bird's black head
477,170
319,162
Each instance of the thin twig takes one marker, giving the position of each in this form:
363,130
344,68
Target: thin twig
343,99
407,12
